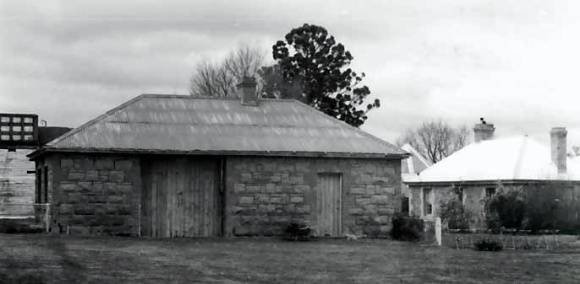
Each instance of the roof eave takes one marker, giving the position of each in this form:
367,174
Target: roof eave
486,181
37,153
45,150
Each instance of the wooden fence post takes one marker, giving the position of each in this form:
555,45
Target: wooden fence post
438,231
47,217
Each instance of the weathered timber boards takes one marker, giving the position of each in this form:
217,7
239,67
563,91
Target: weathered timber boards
181,198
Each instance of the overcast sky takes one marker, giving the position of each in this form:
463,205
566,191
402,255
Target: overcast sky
516,63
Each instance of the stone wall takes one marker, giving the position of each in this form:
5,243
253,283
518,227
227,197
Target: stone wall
474,197
94,194
16,185
265,194
91,194
473,200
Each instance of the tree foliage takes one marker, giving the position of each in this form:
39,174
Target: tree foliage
311,58
220,79
275,86
436,139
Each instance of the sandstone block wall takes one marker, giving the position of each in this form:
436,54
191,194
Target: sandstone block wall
474,200
94,194
265,194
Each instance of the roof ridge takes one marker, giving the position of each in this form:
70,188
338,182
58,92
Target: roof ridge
175,96
356,129
222,124
95,120
520,157
418,155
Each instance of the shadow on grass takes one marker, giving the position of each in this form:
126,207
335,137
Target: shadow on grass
18,271
21,279
73,272
15,275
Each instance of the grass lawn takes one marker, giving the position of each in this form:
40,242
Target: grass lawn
58,259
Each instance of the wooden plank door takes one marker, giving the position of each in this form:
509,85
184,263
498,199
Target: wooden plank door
203,200
181,198
329,204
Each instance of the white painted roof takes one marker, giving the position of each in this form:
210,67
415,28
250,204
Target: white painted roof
515,158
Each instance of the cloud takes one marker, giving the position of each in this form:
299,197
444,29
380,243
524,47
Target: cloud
513,62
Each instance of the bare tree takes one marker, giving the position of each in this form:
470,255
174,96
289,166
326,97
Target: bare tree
211,80
220,79
462,135
436,139
244,61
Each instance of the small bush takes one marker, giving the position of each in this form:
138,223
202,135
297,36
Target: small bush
505,210
15,226
488,245
407,228
454,214
297,232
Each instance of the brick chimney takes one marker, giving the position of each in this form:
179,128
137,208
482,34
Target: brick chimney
558,143
247,91
483,131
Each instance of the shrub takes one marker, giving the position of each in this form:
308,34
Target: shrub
505,210
297,232
488,245
547,208
16,226
535,207
454,214
406,228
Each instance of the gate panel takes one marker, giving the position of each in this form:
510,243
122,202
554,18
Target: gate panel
181,198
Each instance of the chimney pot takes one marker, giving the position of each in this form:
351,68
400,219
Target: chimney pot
247,91
483,131
558,145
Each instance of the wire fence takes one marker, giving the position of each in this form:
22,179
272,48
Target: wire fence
509,239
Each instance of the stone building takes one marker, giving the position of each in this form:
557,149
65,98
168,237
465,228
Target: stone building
478,171
169,166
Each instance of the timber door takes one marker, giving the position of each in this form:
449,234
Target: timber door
329,203
181,198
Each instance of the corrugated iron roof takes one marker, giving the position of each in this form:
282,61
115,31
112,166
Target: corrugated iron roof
515,158
186,124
